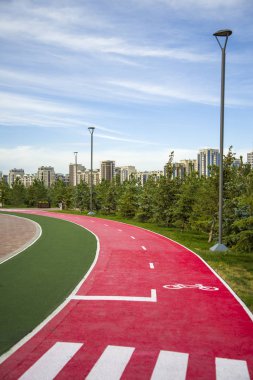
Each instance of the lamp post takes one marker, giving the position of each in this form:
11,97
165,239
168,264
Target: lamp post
91,130
219,247
75,183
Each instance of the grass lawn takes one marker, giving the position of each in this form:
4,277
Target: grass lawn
39,279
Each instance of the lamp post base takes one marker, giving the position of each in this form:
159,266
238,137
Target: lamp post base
218,248
91,213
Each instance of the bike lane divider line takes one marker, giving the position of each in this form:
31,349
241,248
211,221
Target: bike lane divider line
151,266
231,369
52,362
144,248
152,298
111,363
132,237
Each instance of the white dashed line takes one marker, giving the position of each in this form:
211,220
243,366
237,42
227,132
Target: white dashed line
106,225
144,248
151,265
119,230
132,237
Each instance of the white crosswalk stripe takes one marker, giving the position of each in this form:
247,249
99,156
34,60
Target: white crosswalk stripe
170,366
52,362
231,369
111,363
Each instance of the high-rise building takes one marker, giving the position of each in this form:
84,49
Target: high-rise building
15,174
237,162
46,174
28,179
250,159
107,170
190,166
207,158
126,172
178,170
74,173
86,177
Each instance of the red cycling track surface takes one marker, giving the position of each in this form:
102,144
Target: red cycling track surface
186,333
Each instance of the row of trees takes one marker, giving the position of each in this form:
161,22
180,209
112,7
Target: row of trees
188,203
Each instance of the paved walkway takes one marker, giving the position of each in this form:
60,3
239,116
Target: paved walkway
149,309
15,235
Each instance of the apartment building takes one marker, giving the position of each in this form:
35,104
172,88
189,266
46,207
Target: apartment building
250,159
28,179
86,177
15,174
207,158
74,173
126,172
46,174
190,166
107,170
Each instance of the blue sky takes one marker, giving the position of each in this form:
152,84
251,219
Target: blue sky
145,73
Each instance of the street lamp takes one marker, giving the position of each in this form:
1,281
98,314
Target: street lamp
219,247
75,183
91,130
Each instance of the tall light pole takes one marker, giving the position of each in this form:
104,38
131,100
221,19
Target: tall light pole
219,247
75,183
91,130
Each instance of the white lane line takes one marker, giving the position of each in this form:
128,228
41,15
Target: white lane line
231,369
52,362
151,265
152,298
132,237
119,230
170,366
106,225
111,363
144,248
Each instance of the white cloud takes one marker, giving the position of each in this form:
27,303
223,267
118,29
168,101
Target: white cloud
169,92
82,42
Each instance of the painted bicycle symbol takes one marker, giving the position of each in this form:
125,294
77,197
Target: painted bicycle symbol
195,286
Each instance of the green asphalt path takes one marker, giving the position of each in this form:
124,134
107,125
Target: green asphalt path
36,281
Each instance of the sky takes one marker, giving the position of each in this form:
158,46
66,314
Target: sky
144,73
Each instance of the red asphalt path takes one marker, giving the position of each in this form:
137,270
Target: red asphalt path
169,332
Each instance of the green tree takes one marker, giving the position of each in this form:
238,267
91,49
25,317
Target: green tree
204,216
128,201
60,193
241,237
146,200
164,201
18,195
36,192
5,193
185,200
82,196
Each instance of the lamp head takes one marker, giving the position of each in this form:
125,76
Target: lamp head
223,33
91,129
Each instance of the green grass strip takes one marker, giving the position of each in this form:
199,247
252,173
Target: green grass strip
37,280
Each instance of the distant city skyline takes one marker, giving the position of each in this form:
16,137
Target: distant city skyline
146,74
205,157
